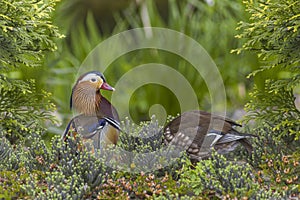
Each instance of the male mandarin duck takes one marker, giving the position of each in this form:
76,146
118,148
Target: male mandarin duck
98,119
198,132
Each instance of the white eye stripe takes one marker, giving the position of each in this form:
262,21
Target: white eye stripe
89,77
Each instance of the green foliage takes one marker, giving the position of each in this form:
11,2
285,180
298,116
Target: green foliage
19,163
273,34
68,171
22,111
11,184
277,167
219,177
26,32
61,172
141,149
73,173
276,106
143,138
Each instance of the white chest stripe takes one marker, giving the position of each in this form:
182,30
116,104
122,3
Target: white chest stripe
113,122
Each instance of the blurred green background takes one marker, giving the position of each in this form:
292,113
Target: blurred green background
85,23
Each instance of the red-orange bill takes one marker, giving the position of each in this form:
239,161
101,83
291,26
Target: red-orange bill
105,86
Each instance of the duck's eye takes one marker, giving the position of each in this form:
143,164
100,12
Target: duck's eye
93,80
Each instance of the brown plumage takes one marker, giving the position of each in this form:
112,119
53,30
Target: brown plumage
198,131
